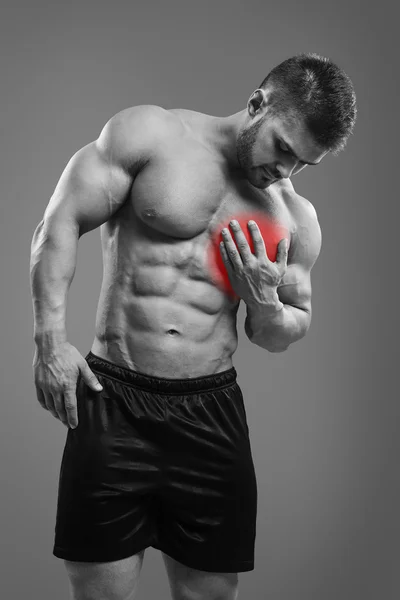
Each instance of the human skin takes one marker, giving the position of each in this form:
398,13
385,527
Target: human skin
159,183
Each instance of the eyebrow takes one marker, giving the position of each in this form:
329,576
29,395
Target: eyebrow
304,162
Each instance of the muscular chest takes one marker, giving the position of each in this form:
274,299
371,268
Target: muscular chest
178,203
191,192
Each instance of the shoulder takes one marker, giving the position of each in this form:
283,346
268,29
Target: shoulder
138,129
147,117
299,207
306,236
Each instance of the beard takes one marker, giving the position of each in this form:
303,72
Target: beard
245,144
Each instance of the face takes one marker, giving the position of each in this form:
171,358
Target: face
273,148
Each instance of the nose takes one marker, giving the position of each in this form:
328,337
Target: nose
286,168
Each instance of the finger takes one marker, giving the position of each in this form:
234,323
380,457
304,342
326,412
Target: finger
59,406
40,397
50,404
231,249
90,378
259,245
241,242
282,252
71,407
225,257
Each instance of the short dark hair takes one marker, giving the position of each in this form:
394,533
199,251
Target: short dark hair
315,89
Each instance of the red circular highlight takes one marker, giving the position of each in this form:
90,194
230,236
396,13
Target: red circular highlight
271,232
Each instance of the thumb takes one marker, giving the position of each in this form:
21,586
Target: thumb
90,378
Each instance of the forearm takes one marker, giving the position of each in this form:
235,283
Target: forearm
274,327
52,268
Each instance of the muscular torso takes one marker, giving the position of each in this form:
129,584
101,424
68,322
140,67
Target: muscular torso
159,310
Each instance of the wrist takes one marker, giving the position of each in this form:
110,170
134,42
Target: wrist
47,339
270,305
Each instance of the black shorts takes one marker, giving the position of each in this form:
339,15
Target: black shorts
158,462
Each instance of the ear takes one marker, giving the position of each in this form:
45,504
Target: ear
257,102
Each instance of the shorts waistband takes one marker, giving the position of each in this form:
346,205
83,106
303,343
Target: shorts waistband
161,385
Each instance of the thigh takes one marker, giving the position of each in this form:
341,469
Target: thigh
191,584
115,580
108,479
209,498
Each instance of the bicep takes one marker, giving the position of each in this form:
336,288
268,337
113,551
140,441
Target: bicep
89,191
98,178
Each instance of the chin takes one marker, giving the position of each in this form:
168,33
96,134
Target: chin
260,183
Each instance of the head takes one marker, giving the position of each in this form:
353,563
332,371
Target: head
303,109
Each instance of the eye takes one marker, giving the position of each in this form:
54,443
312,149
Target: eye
283,146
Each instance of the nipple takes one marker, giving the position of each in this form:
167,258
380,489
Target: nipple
150,213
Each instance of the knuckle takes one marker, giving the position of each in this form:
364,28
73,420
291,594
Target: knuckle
65,383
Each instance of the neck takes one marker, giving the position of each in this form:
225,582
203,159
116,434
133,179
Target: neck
224,133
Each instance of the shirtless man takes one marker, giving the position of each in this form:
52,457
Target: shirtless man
157,450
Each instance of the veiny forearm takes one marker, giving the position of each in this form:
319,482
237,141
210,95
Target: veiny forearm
52,268
277,326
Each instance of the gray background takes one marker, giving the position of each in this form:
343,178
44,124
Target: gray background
324,415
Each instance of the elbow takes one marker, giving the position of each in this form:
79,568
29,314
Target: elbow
278,349
281,348
269,345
